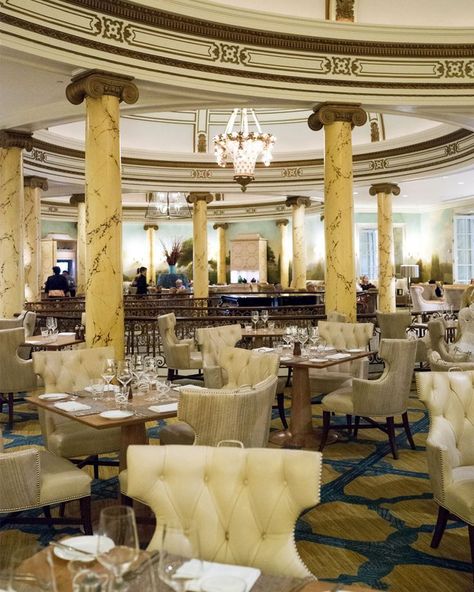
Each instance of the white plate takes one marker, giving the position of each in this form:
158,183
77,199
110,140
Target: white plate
53,396
84,543
116,414
355,350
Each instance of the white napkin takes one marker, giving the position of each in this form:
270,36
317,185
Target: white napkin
187,387
191,569
111,388
318,359
264,350
70,334
72,406
164,408
285,358
339,356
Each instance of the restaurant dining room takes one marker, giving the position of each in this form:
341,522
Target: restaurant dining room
236,296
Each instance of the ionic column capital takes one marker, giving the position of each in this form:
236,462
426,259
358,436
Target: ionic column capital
387,188
297,200
96,83
281,222
194,197
16,139
36,182
77,198
327,113
152,226
222,225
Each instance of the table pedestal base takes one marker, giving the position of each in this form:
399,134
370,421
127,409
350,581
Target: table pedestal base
310,440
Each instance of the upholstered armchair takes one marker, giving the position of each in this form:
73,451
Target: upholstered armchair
437,344
31,478
437,364
449,398
244,502
380,399
211,340
179,354
336,317
70,371
465,321
419,304
394,325
16,374
341,335
26,319
212,415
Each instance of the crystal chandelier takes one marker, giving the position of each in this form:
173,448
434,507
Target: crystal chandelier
243,147
166,205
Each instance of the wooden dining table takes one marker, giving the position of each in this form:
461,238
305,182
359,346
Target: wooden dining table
132,429
301,433
259,335
61,341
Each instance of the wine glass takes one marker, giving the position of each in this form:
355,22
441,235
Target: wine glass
51,324
179,555
124,373
108,372
264,317
254,317
117,542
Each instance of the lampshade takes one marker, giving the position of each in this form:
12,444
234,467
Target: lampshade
410,271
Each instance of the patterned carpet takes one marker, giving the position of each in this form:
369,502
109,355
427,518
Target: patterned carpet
373,526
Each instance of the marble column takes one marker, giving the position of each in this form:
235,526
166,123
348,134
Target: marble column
200,269
12,288
104,285
150,230
79,200
33,188
221,227
338,121
282,225
386,287
298,204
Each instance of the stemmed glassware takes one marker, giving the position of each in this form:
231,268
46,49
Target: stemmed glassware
264,317
108,373
287,336
179,556
255,317
51,324
124,373
302,336
117,543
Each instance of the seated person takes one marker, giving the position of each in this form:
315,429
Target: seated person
365,283
180,287
438,291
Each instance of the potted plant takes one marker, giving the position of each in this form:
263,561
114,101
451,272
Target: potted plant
173,253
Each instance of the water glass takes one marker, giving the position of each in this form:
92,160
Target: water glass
97,387
121,396
180,559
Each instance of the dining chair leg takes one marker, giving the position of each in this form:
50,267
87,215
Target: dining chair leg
349,423
62,509
326,424
391,437
10,409
406,425
471,542
85,508
441,522
281,409
47,512
356,425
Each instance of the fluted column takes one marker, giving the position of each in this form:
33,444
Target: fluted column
338,121
79,200
12,288
284,259
150,230
33,188
221,227
104,293
200,272
384,192
298,204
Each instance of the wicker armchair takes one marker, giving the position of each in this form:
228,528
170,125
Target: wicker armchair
244,502
179,354
31,478
449,398
377,399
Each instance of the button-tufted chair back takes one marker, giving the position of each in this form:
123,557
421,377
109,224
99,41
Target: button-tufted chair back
449,397
212,339
244,502
242,366
221,414
336,317
346,335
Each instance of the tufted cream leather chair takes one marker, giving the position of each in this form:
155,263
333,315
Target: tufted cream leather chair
420,304
33,478
244,502
336,317
16,374
179,354
341,335
446,353
211,340
449,397
210,416
69,371
377,399
394,325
